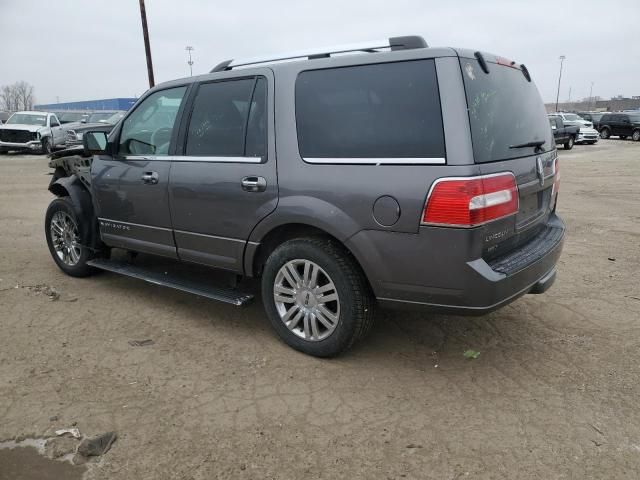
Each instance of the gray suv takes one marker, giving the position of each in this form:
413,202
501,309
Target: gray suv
395,176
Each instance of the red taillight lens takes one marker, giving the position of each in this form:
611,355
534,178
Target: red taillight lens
556,178
471,201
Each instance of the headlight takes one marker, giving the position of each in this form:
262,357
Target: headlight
38,135
79,136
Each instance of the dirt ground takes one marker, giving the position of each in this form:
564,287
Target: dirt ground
554,393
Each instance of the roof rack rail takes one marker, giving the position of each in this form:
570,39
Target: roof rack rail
394,43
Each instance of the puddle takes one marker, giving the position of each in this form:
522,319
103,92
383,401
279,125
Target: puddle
25,460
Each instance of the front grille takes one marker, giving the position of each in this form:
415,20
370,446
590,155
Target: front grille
528,253
16,136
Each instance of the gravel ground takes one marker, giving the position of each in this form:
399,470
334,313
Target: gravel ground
553,394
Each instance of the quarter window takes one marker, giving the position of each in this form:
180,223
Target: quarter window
148,130
387,110
229,119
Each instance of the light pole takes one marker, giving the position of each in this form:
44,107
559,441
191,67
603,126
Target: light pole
591,97
189,49
562,57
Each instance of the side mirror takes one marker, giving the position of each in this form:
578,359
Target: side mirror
94,143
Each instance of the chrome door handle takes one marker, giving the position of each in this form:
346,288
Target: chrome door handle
254,184
150,178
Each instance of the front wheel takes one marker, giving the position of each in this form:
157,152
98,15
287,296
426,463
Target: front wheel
46,146
62,229
316,296
569,144
605,133
636,135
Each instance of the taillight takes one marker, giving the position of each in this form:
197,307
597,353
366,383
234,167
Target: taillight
471,201
556,178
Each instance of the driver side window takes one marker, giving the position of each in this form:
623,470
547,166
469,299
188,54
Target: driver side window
148,130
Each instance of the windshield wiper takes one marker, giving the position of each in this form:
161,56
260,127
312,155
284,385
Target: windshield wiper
537,144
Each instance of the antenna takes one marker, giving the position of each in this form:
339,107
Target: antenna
190,49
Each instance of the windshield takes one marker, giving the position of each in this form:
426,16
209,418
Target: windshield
99,117
572,117
27,119
504,110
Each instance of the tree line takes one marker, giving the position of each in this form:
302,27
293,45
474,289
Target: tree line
18,96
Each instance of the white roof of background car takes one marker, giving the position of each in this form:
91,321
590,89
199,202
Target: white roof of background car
32,112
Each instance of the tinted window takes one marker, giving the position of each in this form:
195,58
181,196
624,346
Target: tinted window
149,128
54,122
606,118
504,110
228,119
372,111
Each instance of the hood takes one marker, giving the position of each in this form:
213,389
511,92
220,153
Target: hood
98,126
19,126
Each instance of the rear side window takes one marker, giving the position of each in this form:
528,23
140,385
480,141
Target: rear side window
389,110
229,119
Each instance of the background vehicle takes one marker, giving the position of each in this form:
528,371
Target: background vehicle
574,119
622,125
32,131
103,124
365,202
593,117
103,116
72,117
565,135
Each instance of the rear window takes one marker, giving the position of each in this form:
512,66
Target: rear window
505,110
389,110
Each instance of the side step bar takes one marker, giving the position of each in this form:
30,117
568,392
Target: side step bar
225,295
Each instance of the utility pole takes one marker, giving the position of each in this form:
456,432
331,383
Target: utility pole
147,47
569,99
189,49
562,57
591,97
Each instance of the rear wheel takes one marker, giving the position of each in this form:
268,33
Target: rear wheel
605,133
316,296
636,135
62,229
569,143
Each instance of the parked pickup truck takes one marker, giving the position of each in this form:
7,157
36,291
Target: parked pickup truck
562,133
39,132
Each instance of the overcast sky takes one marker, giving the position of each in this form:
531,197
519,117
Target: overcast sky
92,49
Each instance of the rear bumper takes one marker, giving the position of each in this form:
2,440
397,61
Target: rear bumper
440,269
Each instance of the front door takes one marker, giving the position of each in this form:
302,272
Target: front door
57,132
223,178
131,187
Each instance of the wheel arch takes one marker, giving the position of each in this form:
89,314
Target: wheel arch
80,198
256,254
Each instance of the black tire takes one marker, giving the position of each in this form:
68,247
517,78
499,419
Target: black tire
46,146
356,303
3,151
79,269
569,143
623,137
635,136
605,133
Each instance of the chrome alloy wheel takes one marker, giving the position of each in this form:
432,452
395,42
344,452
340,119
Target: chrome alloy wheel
306,300
65,238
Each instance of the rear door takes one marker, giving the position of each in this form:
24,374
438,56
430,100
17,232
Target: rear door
223,178
131,187
506,115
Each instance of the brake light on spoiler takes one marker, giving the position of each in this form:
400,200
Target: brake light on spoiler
471,201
